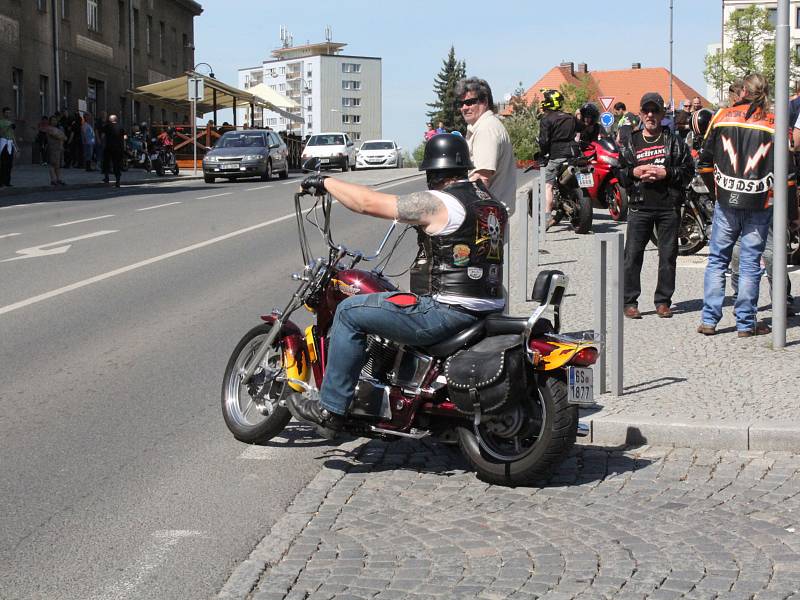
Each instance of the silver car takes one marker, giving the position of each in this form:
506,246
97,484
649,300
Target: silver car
247,153
379,154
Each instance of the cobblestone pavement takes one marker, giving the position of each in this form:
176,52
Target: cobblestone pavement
671,371
405,520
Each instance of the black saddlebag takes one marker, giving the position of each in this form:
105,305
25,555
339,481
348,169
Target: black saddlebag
487,377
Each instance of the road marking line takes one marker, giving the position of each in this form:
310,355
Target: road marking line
82,221
263,187
103,276
8,235
391,185
21,205
153,557
214,195
156,206
38,251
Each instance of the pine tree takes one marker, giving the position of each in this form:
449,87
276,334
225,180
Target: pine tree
443,109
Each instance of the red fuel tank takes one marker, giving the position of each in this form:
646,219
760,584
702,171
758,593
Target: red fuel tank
351,282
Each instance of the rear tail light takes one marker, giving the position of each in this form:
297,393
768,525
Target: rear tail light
584,357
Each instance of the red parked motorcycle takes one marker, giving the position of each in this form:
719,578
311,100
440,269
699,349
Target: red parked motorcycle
507,389
606,191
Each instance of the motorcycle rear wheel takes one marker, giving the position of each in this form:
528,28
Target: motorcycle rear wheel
582,218
541,447
255,421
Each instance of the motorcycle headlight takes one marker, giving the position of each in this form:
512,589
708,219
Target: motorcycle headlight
610,160
254,157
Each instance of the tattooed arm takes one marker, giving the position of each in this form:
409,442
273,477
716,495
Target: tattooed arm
418,208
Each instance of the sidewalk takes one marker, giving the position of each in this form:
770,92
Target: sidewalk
682,388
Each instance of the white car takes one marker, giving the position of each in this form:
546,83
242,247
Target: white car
379,154
334,150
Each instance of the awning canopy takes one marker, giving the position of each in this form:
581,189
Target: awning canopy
266,93
176,92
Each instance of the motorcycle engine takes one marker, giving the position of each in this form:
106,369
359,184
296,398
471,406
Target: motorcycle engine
382,354
372,392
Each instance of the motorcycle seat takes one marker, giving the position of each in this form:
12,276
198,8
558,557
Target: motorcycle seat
499,324
473,333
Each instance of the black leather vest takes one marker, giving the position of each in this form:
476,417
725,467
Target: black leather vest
469,261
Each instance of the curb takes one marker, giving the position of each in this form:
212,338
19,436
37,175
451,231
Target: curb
763,436
275,544
17,191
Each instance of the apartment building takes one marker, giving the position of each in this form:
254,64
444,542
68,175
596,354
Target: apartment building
334,91
728,6
85,55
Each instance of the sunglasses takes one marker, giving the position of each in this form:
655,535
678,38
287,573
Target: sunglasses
651,111
467,102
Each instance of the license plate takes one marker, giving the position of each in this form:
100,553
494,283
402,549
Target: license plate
325,161
230,167
154,157
581,386
585,180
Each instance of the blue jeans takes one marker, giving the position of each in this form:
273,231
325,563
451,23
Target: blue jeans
728,226
424,323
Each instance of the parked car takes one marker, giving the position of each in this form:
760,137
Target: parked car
247,153
334,150
379,154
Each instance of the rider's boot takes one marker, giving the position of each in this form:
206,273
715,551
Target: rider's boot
307,408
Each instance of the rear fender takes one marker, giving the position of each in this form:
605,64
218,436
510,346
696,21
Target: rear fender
295,355
551,354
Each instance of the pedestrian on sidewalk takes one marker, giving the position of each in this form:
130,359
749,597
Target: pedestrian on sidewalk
114,139
8,146
489,143
429,131
55,149
88,139
656,168
41,139
739,153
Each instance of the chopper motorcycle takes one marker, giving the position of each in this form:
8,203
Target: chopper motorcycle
506,389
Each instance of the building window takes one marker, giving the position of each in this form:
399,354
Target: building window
351,85
355,118
282,71
161,35
174,47
135,31
351,101
356,135
345,118
351,68
65,9
93,15
91,96
281,87
44,101
16,87
66,94
797,18
148,35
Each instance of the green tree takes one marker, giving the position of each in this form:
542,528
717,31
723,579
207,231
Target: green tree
522,126
749,47
443,109
577,94
419,153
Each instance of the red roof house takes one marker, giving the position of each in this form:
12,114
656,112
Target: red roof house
624,85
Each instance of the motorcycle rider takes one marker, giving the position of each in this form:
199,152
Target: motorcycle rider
589,116
556,141
456,277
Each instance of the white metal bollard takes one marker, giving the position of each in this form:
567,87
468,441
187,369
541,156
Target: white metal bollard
616,241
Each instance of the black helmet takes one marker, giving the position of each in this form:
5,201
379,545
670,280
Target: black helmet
591,111
446,151
700,121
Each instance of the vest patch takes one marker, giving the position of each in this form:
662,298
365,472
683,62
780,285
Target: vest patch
461,255
474,272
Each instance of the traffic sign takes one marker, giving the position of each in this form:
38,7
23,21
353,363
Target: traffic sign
607,119
606,102
196,91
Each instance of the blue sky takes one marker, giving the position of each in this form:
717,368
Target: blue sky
503,42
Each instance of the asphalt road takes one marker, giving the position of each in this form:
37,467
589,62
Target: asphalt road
118,311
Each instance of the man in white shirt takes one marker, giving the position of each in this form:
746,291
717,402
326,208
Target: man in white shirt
489,143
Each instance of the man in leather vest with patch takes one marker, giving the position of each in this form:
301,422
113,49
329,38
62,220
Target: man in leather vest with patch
456,277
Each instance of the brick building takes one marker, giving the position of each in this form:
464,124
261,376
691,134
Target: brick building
86,54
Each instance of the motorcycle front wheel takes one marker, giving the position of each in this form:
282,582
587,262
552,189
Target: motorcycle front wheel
545,436
251,411
617,199
691,236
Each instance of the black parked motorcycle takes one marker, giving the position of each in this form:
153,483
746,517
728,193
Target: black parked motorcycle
697,213
570,196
